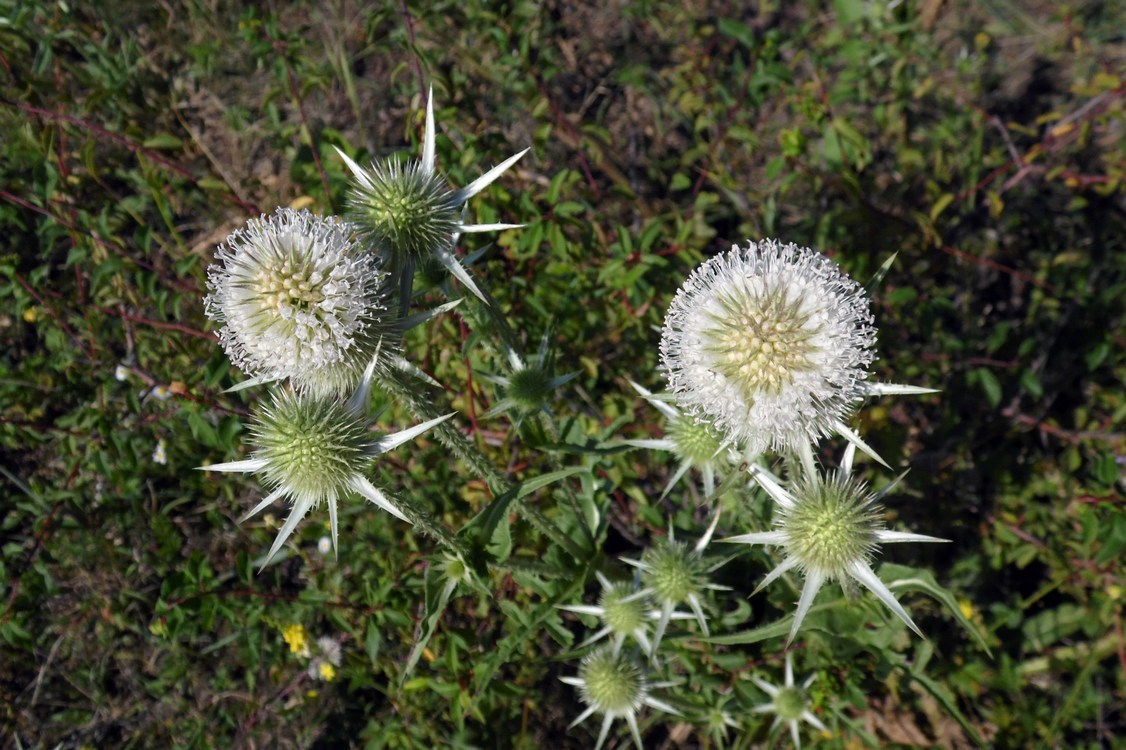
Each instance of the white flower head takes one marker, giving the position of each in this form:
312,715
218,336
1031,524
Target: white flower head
770,343
614,685
830,528
300,298
788,703
409,212
313,451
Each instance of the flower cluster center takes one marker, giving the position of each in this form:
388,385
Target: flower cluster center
696,442
672,571
614,684
622,614
831,525
762,340
312,446
789,704
283,282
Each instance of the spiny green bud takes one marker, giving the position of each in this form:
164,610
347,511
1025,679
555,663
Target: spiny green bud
625,611
311,446
406,211
529,387
697,441
612,683
833,524
674,571
790,704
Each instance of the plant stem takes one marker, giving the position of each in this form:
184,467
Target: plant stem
453,438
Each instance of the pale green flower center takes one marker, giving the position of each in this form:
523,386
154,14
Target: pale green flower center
760,341
621,616
790,704
613,684
833,523
311,446
529,387
282,282
696,442
405,210
673,570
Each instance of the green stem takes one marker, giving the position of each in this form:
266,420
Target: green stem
429,525
454,439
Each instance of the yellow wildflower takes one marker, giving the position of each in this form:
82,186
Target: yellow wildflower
297,639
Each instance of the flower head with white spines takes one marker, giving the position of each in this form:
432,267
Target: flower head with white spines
318,450
410,214
674,573
788,703
625,611
613,684
300,299
829,527
692,440
771,343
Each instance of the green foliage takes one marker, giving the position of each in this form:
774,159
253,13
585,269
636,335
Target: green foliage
980,145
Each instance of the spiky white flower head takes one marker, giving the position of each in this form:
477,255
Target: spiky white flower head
830,527
409,212
788,703
300,298
614,685
313,450
625,611
770,342
694,441
674,573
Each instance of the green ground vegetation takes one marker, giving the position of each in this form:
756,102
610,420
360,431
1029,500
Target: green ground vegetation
982,145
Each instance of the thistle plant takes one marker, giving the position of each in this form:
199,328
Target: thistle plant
409,214
313,451
771,343
766,348
829,527
299,298
529,385
614,685
788,703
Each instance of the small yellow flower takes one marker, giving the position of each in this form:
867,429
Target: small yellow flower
328,672
297,639
31,314
967,608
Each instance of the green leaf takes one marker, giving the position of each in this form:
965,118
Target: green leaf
489,528
164,141
989,384
738,31
437,591
904,578
761,633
